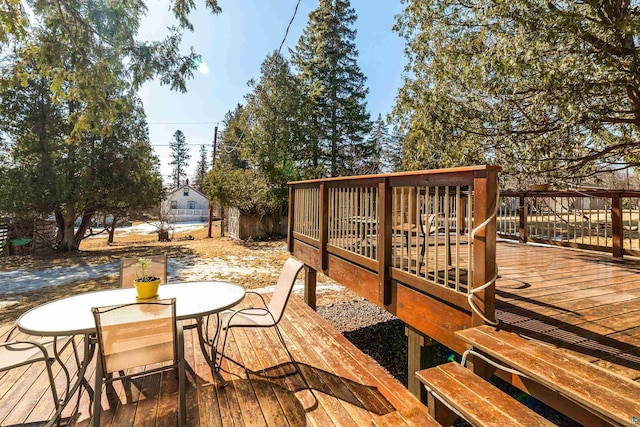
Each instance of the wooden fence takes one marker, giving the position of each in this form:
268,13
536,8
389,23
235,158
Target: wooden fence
404,241
606,221
44,236
38,236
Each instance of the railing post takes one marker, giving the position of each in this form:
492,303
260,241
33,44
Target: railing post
419,356
485,185
324,225
310,280
384,241
290,220
484,245
522,210
616,225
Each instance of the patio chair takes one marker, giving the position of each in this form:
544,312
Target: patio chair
128,269
263,317
132,336
17,353
428,227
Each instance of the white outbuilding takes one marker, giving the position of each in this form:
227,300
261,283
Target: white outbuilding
186,204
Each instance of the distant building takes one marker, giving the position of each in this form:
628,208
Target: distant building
187,204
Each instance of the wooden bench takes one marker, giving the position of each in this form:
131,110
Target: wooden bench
474,399
612,398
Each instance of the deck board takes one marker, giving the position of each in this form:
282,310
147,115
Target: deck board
347,387
585,303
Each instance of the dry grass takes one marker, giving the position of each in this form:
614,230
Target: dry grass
261,255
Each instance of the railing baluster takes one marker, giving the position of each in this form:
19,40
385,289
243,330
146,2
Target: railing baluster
447,236
394,219
472,223
402,238
305,205
436,245
457,267
419,228
427,210
629,227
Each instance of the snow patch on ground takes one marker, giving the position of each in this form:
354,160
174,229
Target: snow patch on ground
298,288
23,280
195,268
178,269
150,228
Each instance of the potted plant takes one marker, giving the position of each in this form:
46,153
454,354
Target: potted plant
146,285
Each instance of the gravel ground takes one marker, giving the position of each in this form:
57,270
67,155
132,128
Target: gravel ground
374,331
381,335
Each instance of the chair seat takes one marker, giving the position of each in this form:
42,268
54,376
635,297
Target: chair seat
20,352
269,316
257,317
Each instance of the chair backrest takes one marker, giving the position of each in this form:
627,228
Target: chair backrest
136,334
284,287
428,224
128,269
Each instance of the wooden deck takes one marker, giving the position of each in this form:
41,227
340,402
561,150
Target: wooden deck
343,386
583,302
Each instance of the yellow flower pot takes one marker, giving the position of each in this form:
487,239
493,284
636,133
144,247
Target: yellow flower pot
147,290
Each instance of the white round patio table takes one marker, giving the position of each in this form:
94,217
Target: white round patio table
72,315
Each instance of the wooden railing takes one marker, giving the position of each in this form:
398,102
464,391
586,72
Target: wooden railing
403,242
606,221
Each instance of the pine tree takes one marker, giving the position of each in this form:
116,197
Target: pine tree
337,121
391,152
235,126
377,141
271,143
544,89
179,158
201,168
78,65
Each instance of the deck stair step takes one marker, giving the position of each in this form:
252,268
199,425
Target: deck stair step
613,398
475,399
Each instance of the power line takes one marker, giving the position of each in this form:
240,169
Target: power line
169,145
181,123
289,26
295,11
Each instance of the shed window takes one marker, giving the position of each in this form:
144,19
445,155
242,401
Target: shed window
192,205
185,191
174,204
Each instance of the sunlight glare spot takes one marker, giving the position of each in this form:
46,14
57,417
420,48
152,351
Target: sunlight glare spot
202,67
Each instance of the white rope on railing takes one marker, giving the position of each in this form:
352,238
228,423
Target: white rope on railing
491,362
472,291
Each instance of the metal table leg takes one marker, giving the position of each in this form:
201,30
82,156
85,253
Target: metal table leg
210,355
89,349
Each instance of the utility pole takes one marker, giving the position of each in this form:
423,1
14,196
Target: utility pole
215,145
213,163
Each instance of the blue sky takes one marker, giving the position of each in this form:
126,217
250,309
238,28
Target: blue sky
234,43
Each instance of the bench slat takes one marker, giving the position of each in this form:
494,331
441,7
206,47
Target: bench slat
612,396
478,401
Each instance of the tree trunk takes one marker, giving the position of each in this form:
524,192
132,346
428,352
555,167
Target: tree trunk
68,241
84,225
60,224
334,139
222,220
111,229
